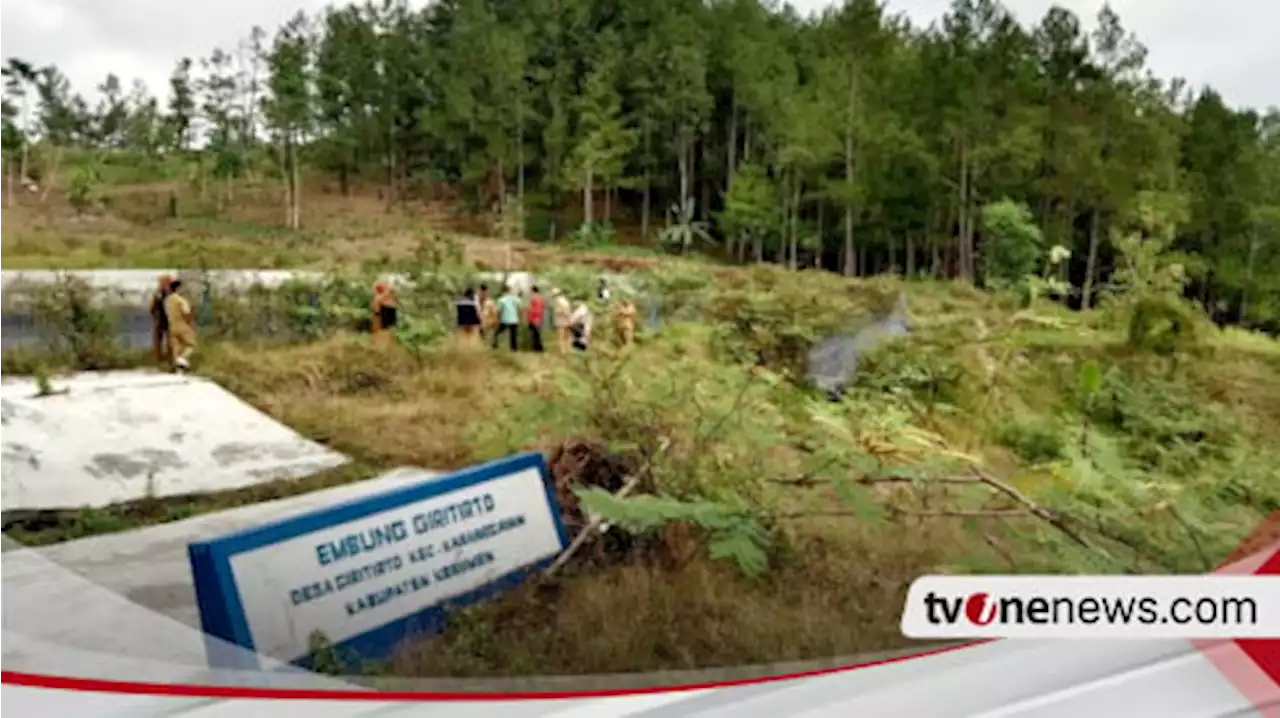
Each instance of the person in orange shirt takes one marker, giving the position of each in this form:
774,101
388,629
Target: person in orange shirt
160,322
624,322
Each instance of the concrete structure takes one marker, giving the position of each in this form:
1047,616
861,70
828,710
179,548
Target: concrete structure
139,283
122,436
130,594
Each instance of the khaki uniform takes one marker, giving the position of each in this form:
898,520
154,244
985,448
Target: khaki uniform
182,336
562,313
488,315
624,322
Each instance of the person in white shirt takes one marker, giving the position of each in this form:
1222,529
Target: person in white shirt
580,323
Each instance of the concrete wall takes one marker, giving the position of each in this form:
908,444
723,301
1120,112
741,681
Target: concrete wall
120,436
131,593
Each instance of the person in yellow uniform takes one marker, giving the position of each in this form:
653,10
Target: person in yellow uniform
384,312
624,322
561,318
182,327
159,323
488,313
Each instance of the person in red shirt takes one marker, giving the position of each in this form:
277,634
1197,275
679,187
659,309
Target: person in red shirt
537,312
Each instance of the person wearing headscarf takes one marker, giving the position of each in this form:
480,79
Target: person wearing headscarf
160,322
182,327
385,310
561,311
580,323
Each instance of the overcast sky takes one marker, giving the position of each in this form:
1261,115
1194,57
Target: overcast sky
1229,44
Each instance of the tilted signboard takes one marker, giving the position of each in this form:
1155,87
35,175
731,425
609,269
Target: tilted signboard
366,573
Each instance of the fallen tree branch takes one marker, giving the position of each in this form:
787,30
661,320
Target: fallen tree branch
1037,510
585,535
957,513
805,481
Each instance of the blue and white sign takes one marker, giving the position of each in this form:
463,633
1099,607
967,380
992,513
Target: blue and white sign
369,572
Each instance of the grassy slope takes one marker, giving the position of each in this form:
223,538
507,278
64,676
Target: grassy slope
1182,457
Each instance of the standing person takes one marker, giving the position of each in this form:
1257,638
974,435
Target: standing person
385,311
159,322
624,321
182,331
468,317
561,311
580,322
508,318
488,312
537,308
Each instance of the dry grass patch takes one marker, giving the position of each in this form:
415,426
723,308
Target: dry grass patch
386,405
837,592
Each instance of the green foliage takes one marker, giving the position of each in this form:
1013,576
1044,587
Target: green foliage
732,533
685,232
1012,243
1035,442
84,183
75,324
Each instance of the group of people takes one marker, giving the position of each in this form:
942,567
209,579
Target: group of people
173,332
480,316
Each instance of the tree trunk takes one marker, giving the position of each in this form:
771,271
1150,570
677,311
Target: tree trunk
794,260
684,169
9,189
704,181
297,185
1248,276
850,251
818,248
49,181
608,203
733,145
965,240
1091,264
520,155
648,190
911,256
587,191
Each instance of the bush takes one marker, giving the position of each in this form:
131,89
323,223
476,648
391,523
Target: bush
1034,442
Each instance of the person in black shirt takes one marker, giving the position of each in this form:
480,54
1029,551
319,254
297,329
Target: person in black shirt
468,316
159,321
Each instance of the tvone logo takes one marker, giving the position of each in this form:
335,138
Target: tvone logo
980,608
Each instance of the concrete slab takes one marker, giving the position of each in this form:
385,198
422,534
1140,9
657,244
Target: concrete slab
131,593
137,284
122,436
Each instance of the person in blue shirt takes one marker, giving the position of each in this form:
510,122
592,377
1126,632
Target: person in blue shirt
508,318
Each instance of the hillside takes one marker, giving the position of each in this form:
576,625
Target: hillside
1005,433
1088,256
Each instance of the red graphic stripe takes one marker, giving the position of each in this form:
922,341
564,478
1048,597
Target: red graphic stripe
1252,665
67,683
